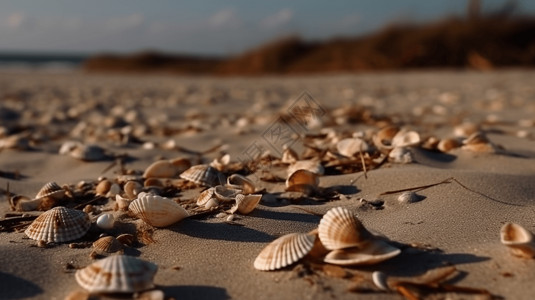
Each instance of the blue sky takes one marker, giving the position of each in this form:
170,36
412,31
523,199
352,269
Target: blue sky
207,27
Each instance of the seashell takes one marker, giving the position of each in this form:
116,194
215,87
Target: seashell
446,145
117,274
289,156
401,155
408,197
107,245
478,142
132,189
374,252
156,210
519,240
383,138
52,190
284,251
205,196
351,146
225,194
161,169
221,163
103,187
340,229
23,203
122,203
16,141
302,176
151,295
204,175
105,221
405,138
87,152
465,129
181,163
59,224
380,280
126,239
237,181
115,189
246,203
311,165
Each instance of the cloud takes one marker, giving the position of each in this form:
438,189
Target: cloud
278,19
123,23
224,18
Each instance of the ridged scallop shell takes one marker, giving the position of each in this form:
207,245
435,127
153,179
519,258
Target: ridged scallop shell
339,229
117,274
51,189
374,252
237,181
107,245
310,165
302,177
204,175
351,146
161,169
519,240
247,203
406,138
156,210
59,224
284,251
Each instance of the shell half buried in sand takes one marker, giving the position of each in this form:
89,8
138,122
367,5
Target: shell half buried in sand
519,240
374,252
311,165
340,229
204,175
156,210
117,274
284,251
59,224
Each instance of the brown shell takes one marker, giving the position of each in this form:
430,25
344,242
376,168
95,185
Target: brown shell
373,252
247,203
241,182
60,224
284,251
161,169
51,189
339,229
204,175
302,177
107,245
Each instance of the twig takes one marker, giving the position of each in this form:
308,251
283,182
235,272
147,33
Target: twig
363,165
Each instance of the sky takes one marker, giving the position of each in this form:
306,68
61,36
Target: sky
210,27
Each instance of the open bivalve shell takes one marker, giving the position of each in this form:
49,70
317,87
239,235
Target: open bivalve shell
117,274
237,181
204,175
519,240
246,203
340,229
373,252
284,251
59,224
156,210
225,194
351,146
132,189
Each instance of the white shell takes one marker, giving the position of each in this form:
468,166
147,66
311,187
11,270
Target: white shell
408,197
247,203
59,224
105,221
156,210
132,189
374,252
401,155
405,139
284,251
204,175
339,229
380,280
519,240
351,146
310,165
243,183
161,169
117,274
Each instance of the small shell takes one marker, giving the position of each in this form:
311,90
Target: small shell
23,203
401,155
60,224
161,169
310,165
181,163
107,245
247,203
383,138
519,240
237,181
221,163
284,251
408,197
301,177
351,146
88,152
478,142
204,175
117,274
126,239
156,210
122,203
380,280
205,196
52,190
225,194
465,129
446,145
374,252
103,187
339,229
289,156
105,221
132,188
406,139
115,189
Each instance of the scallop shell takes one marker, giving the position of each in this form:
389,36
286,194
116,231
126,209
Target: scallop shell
519,240
161,169
107,245
156,210
339,229
374,252
117,274
59,224
247,203
284,251
243,183
406,138
351,146
225,194
105,221
51,189
301,177
408,197
132,189
204,175
311,165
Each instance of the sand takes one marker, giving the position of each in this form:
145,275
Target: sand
207,258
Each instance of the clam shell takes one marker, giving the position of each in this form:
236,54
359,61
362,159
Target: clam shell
284,251
156,210
247,203
519,240
205,197
221,163
302,177
406,138
225,194
351,146
243,183
107,245
181,163
408,197
122,203
374,252
446,145
204,175
401,155
105,221
161,169
289,156
478,142
383,138
51,189
117,274
310,165
59,224
132,188
103,187
340,229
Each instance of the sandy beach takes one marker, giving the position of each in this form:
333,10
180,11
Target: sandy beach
140,120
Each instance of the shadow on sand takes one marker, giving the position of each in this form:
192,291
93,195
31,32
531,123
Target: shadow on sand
185,292
13,287
220,231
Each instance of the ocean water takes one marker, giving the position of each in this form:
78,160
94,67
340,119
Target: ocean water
48,61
